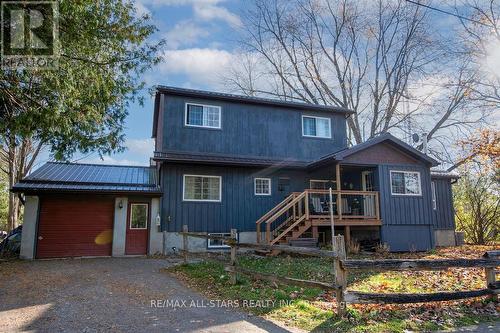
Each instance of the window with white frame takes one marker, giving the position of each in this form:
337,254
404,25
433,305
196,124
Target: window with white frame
262,186
218,243
199,115
405,183
317,127
433,193
138,216
202,188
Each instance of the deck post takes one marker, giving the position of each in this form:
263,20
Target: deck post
185,242
347,235
338,246
338,182
234,234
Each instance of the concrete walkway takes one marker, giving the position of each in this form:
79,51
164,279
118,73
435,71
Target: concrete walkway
110,294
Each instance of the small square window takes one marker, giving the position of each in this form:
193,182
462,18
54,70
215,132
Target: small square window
262,186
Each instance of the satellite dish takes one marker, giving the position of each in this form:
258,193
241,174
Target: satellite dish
415,137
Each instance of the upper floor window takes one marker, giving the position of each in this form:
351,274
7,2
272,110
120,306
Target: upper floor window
202,188
317,127
405,183
202,115
262,186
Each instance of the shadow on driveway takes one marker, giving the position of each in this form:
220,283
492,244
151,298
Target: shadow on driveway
112,294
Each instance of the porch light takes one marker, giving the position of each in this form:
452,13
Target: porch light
120,204
158,220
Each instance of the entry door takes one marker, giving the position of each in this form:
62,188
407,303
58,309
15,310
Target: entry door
368,200
137,228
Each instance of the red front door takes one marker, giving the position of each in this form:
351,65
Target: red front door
136,241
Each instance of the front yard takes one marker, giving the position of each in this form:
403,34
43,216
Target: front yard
311,309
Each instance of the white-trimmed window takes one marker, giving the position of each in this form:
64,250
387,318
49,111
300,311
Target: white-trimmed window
202,188
199,115
433,193
262,186
138,218
405,183
218,243
316,127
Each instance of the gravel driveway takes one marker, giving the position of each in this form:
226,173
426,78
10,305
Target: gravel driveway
115,294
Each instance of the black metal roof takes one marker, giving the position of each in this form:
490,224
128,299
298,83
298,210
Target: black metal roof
76,177
249,99
204,158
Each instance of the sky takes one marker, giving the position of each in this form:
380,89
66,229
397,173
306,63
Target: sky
201,37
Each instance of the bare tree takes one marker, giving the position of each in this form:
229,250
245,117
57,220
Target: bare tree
374,57
481,43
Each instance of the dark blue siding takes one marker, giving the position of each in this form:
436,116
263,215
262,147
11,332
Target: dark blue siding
407,220
251,130
402,238
405,209
444,215
239,207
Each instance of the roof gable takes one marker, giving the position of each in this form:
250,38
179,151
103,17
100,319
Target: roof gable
375,150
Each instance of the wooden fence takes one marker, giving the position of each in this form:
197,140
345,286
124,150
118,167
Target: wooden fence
341,265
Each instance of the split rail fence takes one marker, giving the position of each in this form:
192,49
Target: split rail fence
341,265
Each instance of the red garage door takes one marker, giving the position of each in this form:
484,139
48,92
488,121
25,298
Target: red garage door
74,226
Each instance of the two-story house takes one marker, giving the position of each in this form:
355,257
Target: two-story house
264,167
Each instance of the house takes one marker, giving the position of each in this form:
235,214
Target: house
261,166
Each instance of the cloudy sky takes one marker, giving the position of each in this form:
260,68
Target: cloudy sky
201,40
200,37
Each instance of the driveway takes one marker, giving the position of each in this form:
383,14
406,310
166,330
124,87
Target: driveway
112,294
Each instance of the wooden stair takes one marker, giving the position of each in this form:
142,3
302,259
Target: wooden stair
287,221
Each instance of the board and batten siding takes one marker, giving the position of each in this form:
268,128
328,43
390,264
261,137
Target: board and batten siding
249,130
239,208
444,214
407,220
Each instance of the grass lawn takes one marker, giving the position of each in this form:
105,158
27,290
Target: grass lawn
311,309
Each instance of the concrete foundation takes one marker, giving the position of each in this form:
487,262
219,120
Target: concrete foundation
444,237
173,239
28,240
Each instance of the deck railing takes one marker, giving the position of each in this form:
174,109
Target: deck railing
353,204
301,207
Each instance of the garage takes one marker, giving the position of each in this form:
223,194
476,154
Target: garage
75,226
90,210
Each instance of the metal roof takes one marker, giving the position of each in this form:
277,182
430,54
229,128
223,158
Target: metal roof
78,177
204,158
444,174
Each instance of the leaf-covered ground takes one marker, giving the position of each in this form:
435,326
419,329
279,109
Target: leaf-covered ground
311,309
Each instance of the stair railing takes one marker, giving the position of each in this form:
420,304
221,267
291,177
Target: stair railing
291,211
